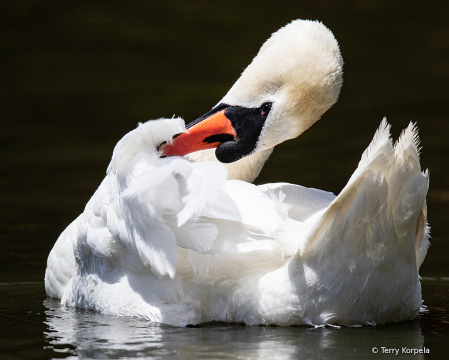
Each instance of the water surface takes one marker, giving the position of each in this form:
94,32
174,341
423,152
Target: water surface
77,76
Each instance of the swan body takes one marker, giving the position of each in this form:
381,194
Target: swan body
181,241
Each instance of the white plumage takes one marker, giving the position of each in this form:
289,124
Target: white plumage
178,242
175,242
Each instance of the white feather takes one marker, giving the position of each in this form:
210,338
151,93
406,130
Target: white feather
173,241
277,253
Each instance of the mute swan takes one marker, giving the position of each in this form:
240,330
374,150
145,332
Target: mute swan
183,241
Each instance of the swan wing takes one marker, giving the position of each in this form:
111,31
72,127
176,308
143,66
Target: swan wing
61,261
381,211
150,205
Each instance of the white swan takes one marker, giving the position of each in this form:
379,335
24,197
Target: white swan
178,242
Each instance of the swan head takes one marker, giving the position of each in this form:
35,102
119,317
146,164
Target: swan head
295,78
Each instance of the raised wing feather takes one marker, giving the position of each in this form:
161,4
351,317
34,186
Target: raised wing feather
378,209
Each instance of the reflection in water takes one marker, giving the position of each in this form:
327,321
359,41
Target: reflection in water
91,335
81,74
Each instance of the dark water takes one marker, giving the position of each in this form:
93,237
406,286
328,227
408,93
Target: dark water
76,76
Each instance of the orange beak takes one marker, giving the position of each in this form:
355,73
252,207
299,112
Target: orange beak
207,134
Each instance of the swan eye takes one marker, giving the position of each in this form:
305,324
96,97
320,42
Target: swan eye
265,108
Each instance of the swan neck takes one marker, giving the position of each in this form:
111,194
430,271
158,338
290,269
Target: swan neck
246,169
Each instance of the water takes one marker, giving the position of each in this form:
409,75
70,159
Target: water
76,77
38,327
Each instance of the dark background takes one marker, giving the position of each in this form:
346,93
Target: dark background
76,76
